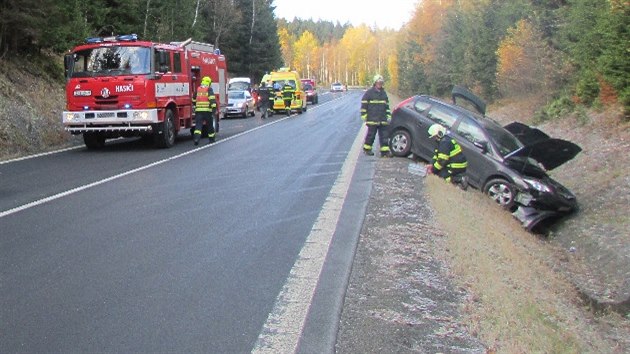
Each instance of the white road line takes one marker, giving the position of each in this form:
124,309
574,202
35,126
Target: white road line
39,155
109,179
281,333
97,183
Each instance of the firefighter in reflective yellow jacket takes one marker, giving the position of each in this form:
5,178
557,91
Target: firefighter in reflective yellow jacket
449,161
288,94
205,109
376,115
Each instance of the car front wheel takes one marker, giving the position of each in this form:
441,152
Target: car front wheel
501,191
400,143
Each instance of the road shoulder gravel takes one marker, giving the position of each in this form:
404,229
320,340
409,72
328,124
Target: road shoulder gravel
400,298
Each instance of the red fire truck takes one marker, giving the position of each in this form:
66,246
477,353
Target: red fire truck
122,87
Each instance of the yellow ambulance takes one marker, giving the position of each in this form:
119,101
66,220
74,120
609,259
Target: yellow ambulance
278,79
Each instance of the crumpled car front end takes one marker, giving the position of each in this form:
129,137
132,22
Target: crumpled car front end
544,199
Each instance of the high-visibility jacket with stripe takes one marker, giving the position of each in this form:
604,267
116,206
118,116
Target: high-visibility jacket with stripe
449,155
288,92
375,107
205,101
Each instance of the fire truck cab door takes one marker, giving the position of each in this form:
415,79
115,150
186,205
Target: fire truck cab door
68,65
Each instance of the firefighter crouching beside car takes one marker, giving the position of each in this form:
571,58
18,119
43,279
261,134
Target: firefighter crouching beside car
449,161
376,115
205,109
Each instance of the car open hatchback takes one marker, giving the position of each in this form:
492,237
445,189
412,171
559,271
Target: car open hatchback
508,163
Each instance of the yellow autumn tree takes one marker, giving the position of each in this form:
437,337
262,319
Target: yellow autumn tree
286,45
361,55
426,24
526,64
392,69
305,58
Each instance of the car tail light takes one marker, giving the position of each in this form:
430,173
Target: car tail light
404,103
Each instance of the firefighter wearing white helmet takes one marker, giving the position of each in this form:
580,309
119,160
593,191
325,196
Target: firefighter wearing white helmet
449,161
376,115
205,109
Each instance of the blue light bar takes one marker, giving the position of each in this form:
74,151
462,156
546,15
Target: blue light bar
121,38
128,37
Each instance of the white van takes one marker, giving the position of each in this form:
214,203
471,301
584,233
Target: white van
240,83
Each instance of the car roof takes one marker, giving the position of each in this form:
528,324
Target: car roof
457,108
548,151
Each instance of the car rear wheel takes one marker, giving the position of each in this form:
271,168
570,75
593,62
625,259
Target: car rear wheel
400,143
501,191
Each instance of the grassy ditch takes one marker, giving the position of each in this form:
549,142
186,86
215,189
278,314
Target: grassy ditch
519,304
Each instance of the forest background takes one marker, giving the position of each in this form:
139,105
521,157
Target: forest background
560,64
571,52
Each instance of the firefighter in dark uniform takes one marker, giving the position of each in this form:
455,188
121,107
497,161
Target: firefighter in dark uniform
288,92
376,115
205,109
264,93
449,161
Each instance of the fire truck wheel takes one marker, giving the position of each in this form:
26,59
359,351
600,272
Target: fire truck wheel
165,137
94,140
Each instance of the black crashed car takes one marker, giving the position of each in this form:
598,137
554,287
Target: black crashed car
508,163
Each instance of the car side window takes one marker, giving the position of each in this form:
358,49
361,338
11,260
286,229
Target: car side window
443,116
471,131
421,106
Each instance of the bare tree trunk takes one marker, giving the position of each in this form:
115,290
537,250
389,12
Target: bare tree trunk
146,19
251,29
196,13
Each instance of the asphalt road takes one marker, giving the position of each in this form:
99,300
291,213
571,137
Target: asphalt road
243,245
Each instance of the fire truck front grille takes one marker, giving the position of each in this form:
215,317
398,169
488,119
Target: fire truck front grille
109,101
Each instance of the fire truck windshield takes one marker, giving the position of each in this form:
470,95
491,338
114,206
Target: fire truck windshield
112,61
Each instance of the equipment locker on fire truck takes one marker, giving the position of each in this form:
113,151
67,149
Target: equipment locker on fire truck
122,87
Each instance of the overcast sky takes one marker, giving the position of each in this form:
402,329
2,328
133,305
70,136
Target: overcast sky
384,13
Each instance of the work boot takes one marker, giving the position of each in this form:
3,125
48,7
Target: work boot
211,140
464,183
386,154
368,152
196,141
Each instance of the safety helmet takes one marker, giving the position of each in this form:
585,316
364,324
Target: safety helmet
206,81
377,78
436,130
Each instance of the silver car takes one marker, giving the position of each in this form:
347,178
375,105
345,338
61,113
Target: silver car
241,103
337,87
